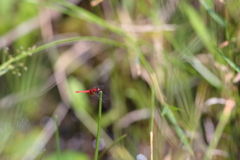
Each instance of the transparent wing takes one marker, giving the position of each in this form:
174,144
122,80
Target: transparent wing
97,96
105,97
100,86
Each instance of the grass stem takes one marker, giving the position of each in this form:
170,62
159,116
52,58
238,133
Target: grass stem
152,121
99,126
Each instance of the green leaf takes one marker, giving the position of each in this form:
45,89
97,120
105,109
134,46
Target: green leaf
233,65
213,14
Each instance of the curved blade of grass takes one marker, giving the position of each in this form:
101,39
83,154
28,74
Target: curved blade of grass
198,25
115,142
78,12
5,65
57,137
179,131
99,126
233,65
213,14
208,75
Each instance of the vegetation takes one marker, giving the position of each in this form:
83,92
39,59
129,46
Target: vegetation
170,69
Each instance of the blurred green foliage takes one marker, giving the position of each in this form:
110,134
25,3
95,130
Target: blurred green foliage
170,69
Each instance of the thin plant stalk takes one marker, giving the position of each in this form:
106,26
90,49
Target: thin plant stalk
219,130
152,121
57,137
115,142
99,126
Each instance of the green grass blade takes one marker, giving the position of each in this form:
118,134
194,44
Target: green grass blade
78,12
233,65
99,126
115,142
81,13
152,108
208,75
213,14
4,66
152,120
57,137
219,130
199,26
179,131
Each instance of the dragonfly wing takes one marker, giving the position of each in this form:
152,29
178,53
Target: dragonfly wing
97,96
105,97
100,87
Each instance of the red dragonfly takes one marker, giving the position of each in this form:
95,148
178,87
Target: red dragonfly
94,92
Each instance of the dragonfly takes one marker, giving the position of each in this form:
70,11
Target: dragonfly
95,92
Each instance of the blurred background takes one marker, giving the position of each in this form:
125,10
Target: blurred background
170,70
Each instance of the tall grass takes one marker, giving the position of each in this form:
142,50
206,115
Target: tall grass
170,69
